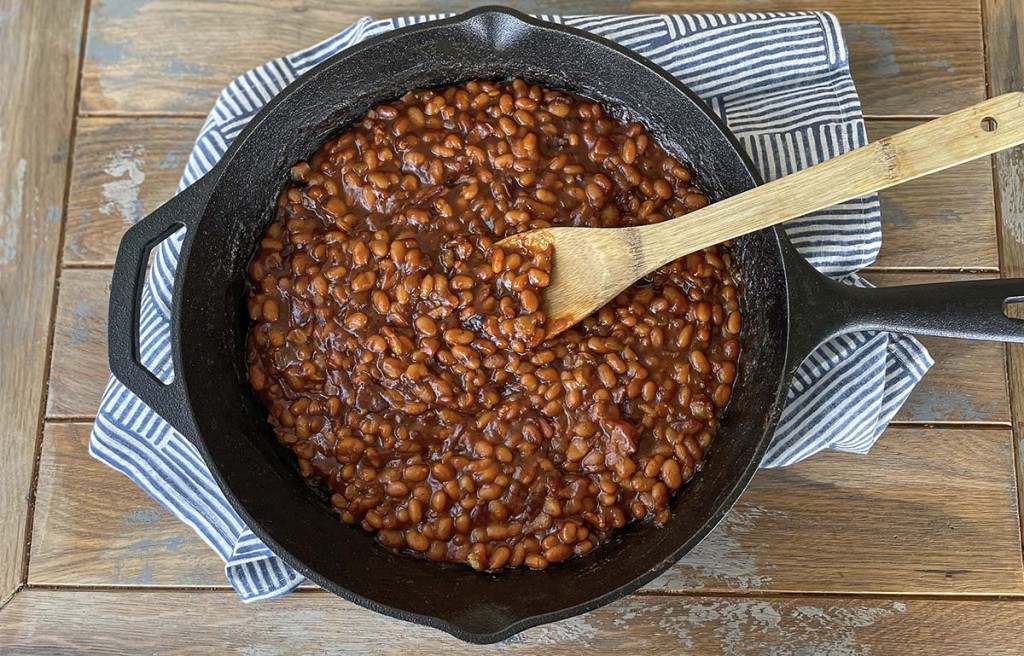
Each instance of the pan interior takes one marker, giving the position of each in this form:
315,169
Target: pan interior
262,477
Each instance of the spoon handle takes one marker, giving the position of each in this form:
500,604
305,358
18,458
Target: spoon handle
964,135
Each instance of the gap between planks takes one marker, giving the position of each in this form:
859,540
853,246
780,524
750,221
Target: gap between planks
1002,23
39,54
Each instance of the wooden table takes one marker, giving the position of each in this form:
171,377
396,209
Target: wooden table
914,549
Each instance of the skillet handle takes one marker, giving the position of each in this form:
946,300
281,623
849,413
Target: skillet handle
963,310
168,400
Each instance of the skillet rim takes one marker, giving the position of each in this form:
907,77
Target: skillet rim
728,499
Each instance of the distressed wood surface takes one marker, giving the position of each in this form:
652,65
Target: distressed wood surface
152,622
932,511
961,387
943,221
966,384
78,367
124,169
39,57
93,526
929,511
174,56
1005,40
886,522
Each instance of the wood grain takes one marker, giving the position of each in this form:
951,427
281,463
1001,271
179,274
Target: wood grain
123,171
78,368
928,511
943,221
126,167
174,56
889,521
39,57
967,382
945,396
52,622
94,526
1004,23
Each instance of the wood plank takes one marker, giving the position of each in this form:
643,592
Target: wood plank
962,386
1004,23
174,56
57,622
944,396
889,521
123,171
78,367
928,511
93,525
967,383
125,168
942,221
911,59
39,57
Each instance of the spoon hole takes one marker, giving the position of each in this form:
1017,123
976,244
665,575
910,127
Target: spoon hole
989,124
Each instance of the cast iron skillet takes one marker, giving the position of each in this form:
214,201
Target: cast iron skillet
788,307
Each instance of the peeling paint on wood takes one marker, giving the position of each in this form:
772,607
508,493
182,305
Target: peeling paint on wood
11,207
39,54
575,630
908,58
103,51
895,215
120,8
46,621
79,326
123,169
875,39
954,406
142,516
744,625
121,195
721,559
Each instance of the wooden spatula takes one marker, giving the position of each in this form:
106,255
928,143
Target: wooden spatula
592,265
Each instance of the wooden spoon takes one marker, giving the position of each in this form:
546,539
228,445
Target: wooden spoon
592,265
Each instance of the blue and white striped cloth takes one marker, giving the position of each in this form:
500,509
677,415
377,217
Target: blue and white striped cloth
781,81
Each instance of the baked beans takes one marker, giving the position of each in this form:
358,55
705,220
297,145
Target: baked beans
401,353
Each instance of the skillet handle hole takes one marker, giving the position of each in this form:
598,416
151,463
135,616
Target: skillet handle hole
1013,307
153,336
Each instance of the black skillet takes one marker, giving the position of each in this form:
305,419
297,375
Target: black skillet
789,308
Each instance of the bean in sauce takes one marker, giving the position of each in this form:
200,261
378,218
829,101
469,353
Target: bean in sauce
402,356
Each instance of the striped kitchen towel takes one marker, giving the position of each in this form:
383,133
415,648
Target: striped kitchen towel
781,81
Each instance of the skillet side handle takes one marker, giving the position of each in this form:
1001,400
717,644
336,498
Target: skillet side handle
168,400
